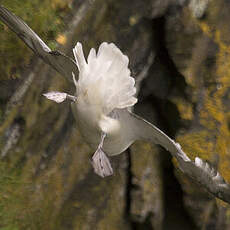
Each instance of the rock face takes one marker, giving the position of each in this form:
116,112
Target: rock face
197,39
179,55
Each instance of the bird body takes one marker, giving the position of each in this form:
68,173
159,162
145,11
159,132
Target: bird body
104,92
104,88
116,140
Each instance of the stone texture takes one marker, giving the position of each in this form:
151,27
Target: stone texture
147,193
179,55
198,43
56,187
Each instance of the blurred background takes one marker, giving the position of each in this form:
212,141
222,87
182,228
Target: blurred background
179,53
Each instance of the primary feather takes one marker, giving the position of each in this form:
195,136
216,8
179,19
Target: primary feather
105,78
59,61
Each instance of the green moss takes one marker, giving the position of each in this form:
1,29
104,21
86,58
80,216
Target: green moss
9,201
45,21
62,192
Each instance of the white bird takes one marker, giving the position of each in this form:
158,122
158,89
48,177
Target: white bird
104,93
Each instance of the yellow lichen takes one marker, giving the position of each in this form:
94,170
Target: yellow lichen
61,39
197,144
185,108
133,20
214,137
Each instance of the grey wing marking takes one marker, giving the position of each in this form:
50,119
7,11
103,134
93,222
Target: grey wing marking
200,171
144,130
21,29
63,64
60,62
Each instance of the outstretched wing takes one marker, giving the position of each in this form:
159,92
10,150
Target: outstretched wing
60,62
199,170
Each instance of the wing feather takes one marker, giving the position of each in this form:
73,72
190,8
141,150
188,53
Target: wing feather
60,62
106,77
200,171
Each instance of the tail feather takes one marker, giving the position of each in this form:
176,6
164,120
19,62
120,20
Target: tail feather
106,75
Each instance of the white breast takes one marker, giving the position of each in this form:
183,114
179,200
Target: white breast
91,124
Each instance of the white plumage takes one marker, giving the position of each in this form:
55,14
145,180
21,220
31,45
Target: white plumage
105,77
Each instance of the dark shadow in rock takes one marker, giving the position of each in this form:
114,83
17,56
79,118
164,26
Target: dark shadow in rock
164,80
